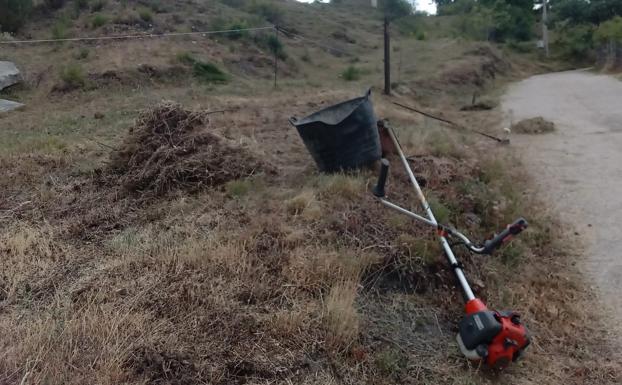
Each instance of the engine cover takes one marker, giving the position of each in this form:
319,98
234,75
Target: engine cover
479,329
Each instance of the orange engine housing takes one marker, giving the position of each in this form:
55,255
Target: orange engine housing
508,344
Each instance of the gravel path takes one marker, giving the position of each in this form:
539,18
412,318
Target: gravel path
579,167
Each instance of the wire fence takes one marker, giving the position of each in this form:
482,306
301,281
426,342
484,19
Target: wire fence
138,36
285,32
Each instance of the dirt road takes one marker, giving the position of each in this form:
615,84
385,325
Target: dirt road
579,167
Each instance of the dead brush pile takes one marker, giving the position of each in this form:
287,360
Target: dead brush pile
169,148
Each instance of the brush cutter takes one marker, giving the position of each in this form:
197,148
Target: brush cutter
495,337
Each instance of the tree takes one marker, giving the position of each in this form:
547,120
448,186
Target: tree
394,9
13,14
610,30
603,10
575,41
54,4
573,11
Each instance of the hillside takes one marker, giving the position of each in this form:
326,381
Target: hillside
194,241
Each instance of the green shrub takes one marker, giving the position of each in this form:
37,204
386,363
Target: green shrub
611,30
235,3
521,46
237,34
98,20
13,14
575,41
54,4
79,5
128,18
389,362
441,212
145,15
351,73
276,47
59,29
73,76
185,58
82,54
239,187
98,5
208,72
226,24
273,44
159,6
266,9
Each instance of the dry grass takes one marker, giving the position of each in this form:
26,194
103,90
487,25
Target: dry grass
341,317
290,277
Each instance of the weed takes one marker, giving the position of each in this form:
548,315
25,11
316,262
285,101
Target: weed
82,54
426,250
208,73
389,361
440,144
441,212
98,20
185,58
351,73
59,29
239,187
491,170
145,15
73,76
511,254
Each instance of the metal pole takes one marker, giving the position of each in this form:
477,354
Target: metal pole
466,289
387,57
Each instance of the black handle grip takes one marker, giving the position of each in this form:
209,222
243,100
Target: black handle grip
514,229
382,179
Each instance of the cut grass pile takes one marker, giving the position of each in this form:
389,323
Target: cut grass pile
171,148
532,126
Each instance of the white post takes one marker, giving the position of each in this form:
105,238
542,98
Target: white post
545,30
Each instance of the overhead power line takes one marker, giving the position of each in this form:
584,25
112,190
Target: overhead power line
140,36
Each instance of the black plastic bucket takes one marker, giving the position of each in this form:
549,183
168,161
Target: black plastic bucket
341,137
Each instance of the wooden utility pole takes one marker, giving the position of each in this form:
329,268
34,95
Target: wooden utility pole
545,29
387,57
276,56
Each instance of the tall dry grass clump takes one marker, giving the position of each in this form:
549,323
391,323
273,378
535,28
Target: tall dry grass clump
341,318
